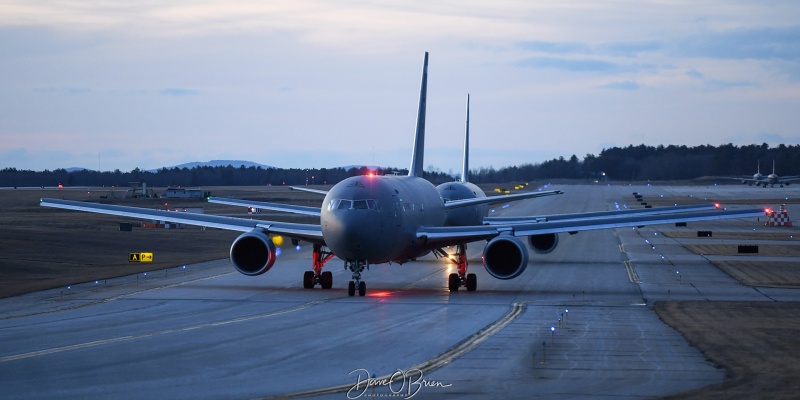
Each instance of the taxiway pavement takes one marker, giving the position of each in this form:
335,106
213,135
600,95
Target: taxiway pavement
207,332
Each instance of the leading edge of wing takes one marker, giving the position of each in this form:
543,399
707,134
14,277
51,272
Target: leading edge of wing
457,234
597,214
308,232
498,199
302,189
313,211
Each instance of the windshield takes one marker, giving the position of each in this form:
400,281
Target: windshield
344,204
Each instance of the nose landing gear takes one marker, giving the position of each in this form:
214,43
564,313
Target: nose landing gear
356,267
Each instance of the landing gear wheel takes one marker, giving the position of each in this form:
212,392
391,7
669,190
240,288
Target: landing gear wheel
472,282
308,279
362,288
453,282
326,280
351,289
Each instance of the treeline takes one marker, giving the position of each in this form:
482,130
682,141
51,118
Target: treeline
184,177
643,163
632,163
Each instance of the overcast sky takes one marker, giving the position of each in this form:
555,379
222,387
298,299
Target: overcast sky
106,84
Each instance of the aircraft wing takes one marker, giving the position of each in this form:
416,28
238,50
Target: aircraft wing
742,179
313,211
307,232
596,215
452,235
498,199
302,189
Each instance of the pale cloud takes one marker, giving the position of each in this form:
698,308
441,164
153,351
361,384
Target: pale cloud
178,92
570,64
760,43
317,83
623,85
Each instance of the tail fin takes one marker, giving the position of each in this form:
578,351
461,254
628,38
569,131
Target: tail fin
419,138
465,167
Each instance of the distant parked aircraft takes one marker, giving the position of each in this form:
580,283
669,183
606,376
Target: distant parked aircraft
760,180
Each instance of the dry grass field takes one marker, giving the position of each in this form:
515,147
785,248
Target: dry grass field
777,234
48,248
780,250
758,344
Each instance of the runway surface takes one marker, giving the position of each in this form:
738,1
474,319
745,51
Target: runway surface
207,332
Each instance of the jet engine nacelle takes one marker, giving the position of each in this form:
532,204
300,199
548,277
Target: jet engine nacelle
505,257
253,253
544,243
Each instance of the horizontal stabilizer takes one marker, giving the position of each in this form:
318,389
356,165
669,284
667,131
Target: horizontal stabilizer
451,204
289,208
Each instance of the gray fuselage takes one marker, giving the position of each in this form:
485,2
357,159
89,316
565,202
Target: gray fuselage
375,218
463,216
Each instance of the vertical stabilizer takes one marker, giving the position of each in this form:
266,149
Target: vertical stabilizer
419,137
465,167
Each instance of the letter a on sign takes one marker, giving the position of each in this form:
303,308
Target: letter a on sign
140,257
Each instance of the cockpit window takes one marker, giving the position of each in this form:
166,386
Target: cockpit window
334,204
343,204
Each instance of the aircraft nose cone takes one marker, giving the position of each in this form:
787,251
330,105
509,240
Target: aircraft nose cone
352,234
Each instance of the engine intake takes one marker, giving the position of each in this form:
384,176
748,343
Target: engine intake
253,253
544,243
505,257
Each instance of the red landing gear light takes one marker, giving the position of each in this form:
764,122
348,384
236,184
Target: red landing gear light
716,205
767,211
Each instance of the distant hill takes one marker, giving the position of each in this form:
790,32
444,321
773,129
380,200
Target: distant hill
369,167
218,163
76,169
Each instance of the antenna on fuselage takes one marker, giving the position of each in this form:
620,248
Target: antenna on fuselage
465,167
419,137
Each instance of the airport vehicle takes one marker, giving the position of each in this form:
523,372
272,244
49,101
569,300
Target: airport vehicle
366,220
772,179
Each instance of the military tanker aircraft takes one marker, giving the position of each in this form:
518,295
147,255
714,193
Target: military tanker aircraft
760,180
370,219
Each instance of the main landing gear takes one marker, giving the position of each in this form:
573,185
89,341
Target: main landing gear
317,276
356,267
462,278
